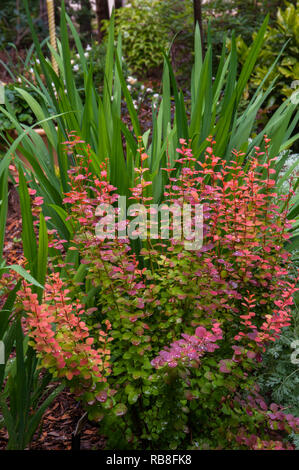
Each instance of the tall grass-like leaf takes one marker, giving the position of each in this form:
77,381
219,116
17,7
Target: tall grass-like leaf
129,101
37,416
25,391
21,384
42,255
166,101
28,235
22,272
202,96
3,207
10,425
47,125
6,310
251,58
197,63
69,77
64,215
7,329
108,79
78,43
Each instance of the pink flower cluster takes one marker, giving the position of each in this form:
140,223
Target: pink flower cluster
190,348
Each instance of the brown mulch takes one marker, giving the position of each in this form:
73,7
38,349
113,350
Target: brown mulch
58,424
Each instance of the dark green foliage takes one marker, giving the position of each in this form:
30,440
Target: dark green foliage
14,25
282,36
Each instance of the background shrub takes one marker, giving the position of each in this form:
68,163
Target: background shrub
285,32
141,28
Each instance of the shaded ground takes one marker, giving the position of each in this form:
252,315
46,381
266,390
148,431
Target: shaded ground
58,425
60,422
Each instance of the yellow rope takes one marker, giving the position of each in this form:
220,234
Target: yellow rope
51,20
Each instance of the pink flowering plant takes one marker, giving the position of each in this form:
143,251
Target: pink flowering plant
163,344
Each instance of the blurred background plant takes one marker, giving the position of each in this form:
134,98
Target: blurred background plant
142,29
14,25
157,25
95,54
282,36
152,24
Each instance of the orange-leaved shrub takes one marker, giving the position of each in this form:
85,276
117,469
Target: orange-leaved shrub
162,343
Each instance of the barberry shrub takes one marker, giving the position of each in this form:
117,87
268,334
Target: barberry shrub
163,344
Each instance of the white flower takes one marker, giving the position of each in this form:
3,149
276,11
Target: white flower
76,68
72,61
86,54
37,61
132,80
142,87
31,70
149,90
129,87
88,47
156,96
135,104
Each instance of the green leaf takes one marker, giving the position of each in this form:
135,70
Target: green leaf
18,269
42,256
120,409
37,416
28,235
3,207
